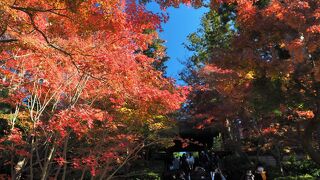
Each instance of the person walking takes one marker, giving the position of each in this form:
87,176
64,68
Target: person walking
185,166
213,164
260,173
190,161
203,160
249,175
217,175
175,163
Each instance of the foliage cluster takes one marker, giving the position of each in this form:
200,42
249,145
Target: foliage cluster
298,167
255,73
304,177
82,87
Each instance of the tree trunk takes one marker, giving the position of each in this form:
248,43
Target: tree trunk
83,173
31,157
18,168
306,140
45,171
65,147
277,155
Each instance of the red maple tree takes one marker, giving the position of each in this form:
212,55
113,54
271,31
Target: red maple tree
86,98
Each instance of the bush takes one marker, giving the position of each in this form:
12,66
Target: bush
301,167
304,177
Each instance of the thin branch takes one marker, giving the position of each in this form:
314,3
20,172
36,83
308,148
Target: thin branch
136,150
8,40
31,9
45,37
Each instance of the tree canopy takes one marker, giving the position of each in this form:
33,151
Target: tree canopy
83,89
84,84
255,67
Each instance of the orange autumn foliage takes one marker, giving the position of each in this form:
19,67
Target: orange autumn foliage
77,69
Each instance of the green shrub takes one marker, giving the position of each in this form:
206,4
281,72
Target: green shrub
303,177
300,167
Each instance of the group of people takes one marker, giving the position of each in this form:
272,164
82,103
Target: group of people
205,166
259,174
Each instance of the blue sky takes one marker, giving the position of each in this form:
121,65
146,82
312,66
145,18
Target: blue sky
182,21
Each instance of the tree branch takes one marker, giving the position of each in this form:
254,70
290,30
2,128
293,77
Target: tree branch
32,9
8,40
